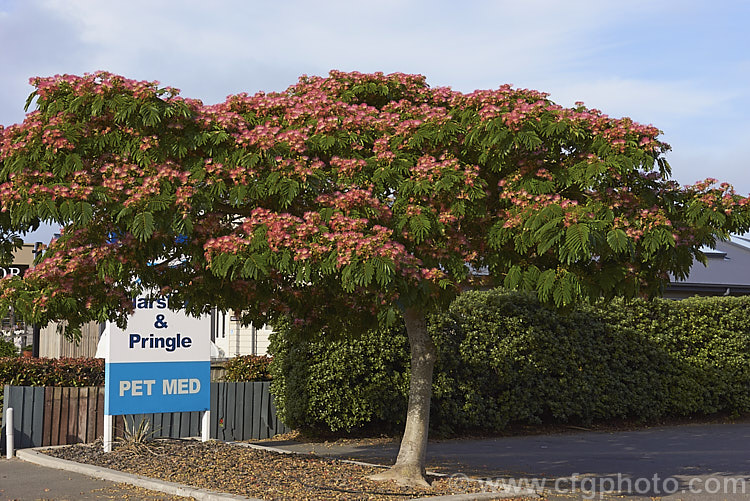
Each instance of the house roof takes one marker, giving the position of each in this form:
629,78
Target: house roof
728,266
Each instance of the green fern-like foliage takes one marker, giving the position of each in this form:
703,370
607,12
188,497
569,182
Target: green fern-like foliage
340,201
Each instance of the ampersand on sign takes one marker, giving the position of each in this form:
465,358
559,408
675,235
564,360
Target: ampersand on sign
160,323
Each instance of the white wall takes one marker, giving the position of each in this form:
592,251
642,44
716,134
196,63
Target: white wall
234,339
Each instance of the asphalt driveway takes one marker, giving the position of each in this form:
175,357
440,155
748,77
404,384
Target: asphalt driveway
679,463
20,480
688,462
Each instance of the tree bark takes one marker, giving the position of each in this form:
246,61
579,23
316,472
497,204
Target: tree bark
409,469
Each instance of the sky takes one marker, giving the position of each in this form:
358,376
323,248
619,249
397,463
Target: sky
681,65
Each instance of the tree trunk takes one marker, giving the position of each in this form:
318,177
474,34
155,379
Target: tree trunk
409,469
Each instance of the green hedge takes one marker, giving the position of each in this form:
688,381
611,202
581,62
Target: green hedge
21,371
7,348
338,384
503,358
248,368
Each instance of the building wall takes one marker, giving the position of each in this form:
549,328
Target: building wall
24,255
234,339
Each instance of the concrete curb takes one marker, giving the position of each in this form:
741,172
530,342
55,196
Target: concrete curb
36,457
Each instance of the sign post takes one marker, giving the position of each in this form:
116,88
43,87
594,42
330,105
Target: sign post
160,363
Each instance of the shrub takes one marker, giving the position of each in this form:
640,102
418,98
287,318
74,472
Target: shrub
20,371
52,371
7,348
248,368
503,358
334,384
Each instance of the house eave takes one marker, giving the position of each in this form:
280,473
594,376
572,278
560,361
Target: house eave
708,289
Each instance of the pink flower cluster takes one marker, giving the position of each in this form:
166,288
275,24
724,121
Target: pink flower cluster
339,169
354,198
309,237
100,82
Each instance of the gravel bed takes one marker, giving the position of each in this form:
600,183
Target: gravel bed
254,473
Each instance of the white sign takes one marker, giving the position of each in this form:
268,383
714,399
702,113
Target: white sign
157,334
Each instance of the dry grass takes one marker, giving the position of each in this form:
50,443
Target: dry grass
255,473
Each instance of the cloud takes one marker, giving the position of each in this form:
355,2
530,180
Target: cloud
463,45
705,127
680,65
33,42
641,99
265,45
694,164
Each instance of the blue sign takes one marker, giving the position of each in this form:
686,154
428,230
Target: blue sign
145,387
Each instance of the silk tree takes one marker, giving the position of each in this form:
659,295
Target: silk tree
340,203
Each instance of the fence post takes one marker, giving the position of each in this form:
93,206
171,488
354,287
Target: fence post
9,432
205,426
108,433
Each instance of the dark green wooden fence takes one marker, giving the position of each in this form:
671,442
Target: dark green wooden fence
56,416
